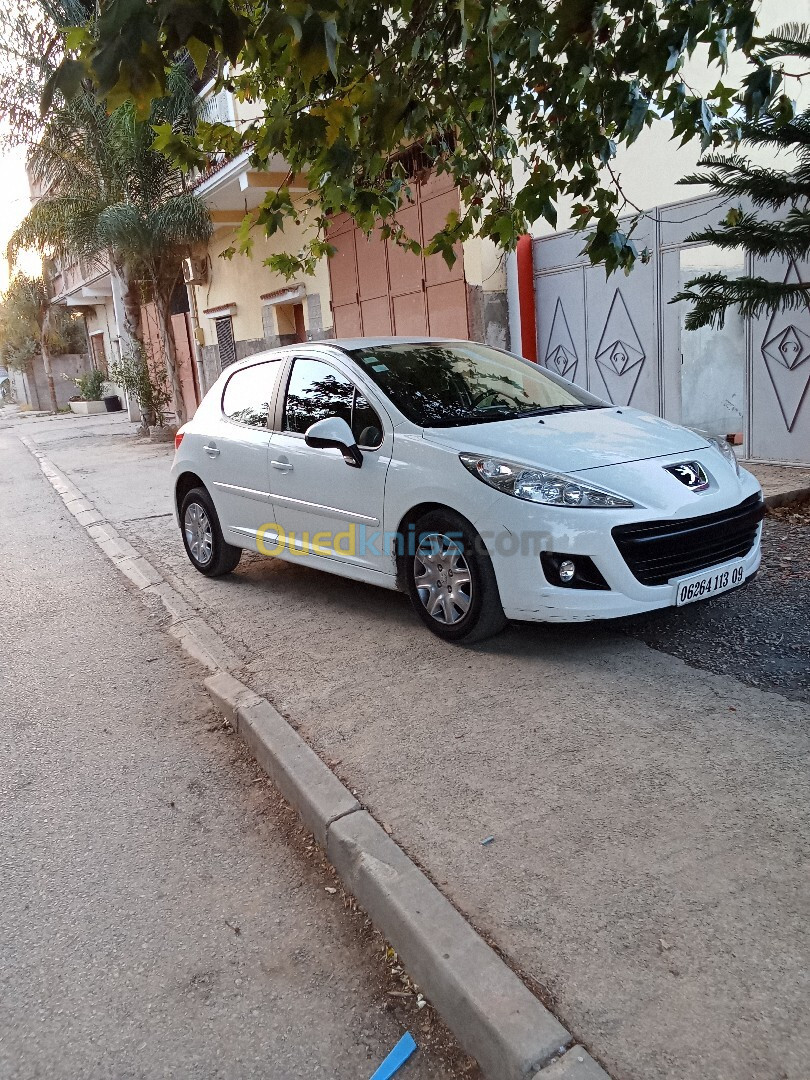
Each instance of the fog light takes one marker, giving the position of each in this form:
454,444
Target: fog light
567,571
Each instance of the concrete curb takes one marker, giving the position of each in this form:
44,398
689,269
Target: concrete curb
577,1064
785,498
491,1012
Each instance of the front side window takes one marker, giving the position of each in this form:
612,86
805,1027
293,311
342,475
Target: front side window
449,384
249,393
316,390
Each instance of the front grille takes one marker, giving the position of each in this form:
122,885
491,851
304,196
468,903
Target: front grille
656,551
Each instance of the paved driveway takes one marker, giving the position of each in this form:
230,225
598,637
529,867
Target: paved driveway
650,818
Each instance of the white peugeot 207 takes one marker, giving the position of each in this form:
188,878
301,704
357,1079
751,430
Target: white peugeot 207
486,487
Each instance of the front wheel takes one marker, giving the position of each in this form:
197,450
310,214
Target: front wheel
451,581
202,536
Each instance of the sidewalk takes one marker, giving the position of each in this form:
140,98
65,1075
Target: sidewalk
650,819
781,484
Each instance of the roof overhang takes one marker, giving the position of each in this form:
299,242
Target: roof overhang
89,293
284,296
233,188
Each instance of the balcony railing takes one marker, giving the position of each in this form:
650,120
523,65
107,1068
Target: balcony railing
217,108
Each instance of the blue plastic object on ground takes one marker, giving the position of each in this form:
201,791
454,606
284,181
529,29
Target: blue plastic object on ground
397,1058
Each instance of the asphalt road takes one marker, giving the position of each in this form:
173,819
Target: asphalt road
160,915
651,816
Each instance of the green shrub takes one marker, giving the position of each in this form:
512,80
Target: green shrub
148,385
91,385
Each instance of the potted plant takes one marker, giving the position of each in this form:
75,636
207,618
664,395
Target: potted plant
91,388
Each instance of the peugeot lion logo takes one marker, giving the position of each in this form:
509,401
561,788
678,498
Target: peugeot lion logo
690,474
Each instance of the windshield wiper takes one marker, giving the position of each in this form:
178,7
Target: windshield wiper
503,412
549,409
472,418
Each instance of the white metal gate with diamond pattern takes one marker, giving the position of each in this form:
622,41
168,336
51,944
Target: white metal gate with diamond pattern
621,339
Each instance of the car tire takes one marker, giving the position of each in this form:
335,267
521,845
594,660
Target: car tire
202,536
451,580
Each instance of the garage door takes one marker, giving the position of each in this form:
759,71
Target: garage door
378,288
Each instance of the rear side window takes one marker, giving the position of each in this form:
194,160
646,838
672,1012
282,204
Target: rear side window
316,390
249,393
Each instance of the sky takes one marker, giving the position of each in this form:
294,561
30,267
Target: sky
14,204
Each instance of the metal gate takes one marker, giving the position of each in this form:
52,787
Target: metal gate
621,339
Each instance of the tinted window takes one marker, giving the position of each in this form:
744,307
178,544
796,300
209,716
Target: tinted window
316,390
442,385
249,392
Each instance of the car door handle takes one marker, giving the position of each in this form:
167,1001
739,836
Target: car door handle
282,466
211,450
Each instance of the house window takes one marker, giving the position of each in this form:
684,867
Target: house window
227,347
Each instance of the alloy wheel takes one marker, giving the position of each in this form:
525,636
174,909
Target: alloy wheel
442,578
199,534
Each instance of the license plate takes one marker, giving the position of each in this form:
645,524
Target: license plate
709,582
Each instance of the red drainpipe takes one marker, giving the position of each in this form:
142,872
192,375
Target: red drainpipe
525,276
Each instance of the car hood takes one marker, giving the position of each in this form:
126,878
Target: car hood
572,441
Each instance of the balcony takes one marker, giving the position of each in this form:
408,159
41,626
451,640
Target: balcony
79,283
229,186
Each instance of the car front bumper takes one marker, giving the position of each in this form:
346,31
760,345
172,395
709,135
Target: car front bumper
524,530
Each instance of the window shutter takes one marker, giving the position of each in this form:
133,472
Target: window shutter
227,347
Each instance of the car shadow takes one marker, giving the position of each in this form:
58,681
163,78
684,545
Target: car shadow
294,583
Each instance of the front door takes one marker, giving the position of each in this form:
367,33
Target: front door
325,508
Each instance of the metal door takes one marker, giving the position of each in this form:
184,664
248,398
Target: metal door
601,334
380,288
780,375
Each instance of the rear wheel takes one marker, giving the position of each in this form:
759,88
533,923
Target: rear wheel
202,536
451,581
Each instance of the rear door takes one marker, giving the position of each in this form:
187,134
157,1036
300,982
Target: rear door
323,506
238,452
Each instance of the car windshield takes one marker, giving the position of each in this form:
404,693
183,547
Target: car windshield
446,384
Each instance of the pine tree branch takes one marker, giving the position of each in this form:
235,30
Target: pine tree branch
769,131
789,39
788,238
735,175
711,296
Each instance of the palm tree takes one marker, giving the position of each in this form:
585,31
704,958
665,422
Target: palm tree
26,324
108,196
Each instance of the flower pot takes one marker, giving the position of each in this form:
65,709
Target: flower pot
112,403
87,408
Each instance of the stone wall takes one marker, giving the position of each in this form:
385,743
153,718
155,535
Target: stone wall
32,389
488,316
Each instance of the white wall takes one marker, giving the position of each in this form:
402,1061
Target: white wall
651,168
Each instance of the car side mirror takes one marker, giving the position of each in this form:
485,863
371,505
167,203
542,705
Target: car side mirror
333,433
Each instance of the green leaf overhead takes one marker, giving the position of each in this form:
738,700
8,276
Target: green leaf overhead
349,88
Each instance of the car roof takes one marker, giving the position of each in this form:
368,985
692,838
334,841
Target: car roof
376,342
344,344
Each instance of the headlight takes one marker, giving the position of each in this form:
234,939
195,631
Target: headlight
539,485
727,450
